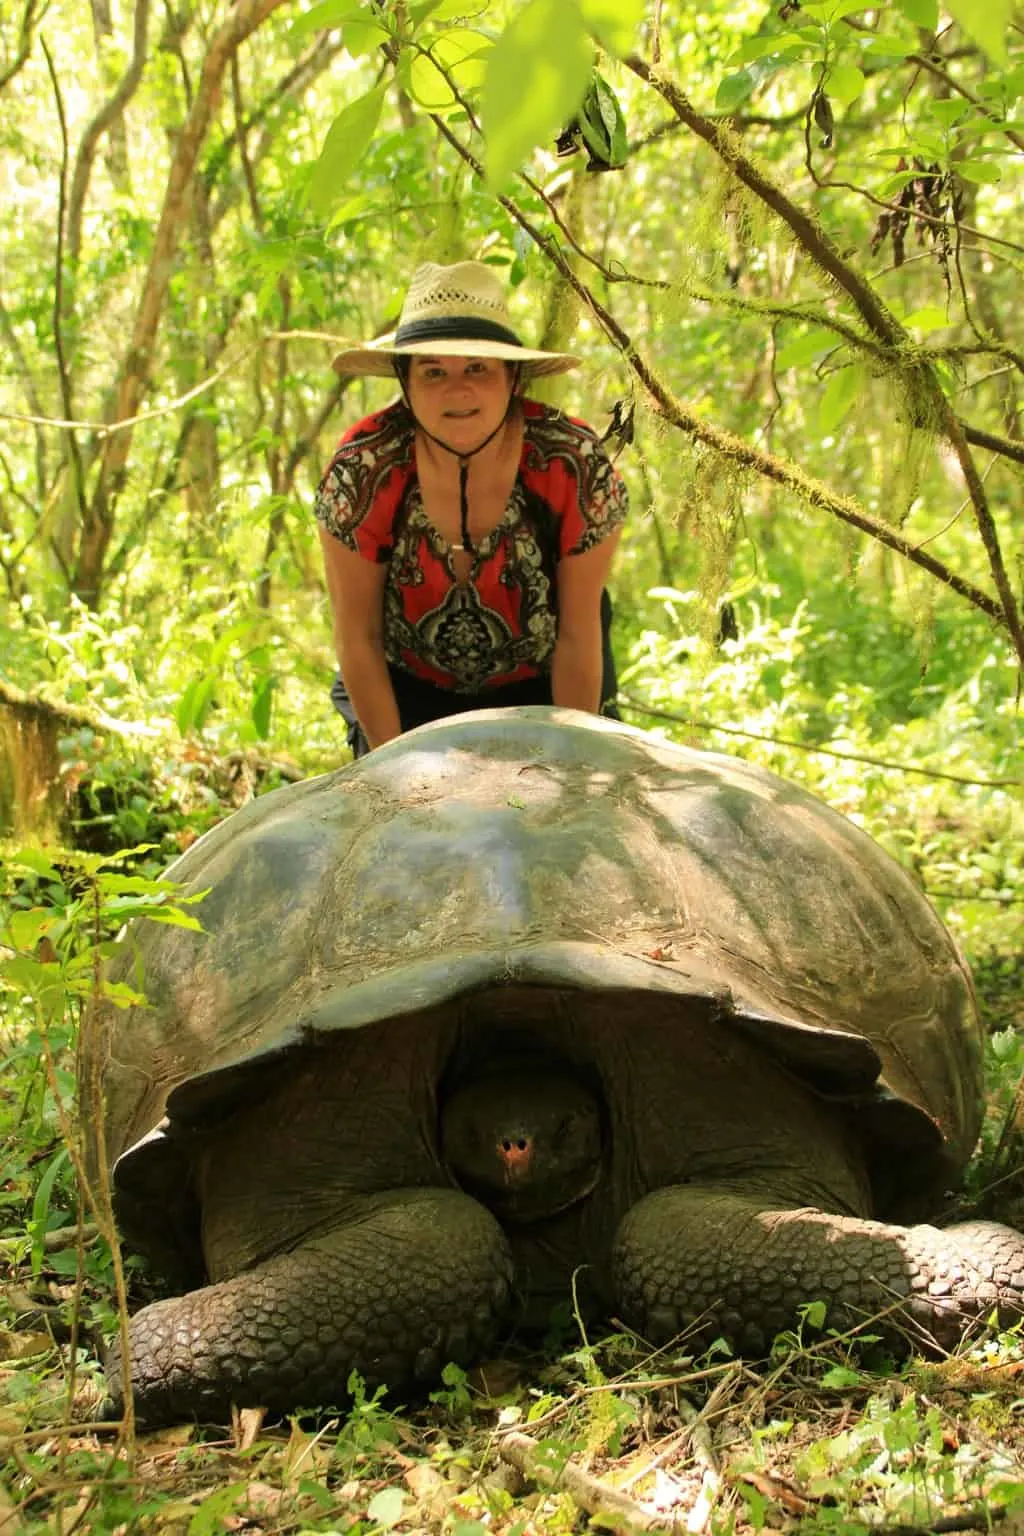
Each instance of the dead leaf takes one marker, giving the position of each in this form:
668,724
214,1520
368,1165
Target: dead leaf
783,1492
21,1346
170,1439
495,1378
432,1492
305,1456
246,1424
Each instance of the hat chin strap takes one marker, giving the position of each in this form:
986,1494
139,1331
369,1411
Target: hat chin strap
463,458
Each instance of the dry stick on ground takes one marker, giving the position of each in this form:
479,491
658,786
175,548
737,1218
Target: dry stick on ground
877,317
528,1456
814,492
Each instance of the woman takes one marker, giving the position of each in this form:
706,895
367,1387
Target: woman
467,532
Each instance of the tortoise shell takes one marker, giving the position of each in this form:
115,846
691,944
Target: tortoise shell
542,847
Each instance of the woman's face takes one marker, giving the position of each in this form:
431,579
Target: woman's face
460,400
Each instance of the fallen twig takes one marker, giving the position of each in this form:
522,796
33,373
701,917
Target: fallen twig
527,1455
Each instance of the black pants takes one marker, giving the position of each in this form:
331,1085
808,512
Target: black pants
419,701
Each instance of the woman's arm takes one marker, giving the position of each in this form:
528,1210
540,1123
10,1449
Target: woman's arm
356,588
576,665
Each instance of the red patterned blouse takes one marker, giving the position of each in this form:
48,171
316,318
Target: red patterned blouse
500,625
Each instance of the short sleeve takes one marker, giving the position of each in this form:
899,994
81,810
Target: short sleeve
363,486
601,502
564,463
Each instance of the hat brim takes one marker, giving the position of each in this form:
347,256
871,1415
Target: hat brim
377,359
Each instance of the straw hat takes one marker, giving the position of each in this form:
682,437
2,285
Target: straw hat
457,311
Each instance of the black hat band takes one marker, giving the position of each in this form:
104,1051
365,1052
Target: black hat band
455,328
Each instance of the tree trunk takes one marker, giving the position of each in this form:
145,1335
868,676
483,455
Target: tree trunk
136,369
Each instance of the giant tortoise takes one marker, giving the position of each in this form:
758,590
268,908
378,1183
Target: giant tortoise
527,998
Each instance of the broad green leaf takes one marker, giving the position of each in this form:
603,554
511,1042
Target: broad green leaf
840,1377
122,995
444,10
363,36
263,706
923,13
348,139
930,318
803,347
26,928
194,704
981,171
352,208
30,977
537,74
845,83
829,11
734,90
322,17
986,21
613,22
840,393
31,858
883,46
947,112
460,53
761,47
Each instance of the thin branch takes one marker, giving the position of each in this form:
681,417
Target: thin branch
534,1461
953,84
732,448
1006,446
819,247
100,124
29,19
104,429
13,343
639,707
63,372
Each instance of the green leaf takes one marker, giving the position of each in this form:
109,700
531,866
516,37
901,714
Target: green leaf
841,1376
613,22
122,995
883,46
31,858
981,171
262,706
194,704
348,139
363,37
930,318
537,74
946,113
839,395
923,13
845,83
328,14
735,89
444,10
460,53
385,1508
761,47
801,347
986,21
829,11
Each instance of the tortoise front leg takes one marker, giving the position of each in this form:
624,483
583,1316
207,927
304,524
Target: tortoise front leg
413,1279
685,1255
